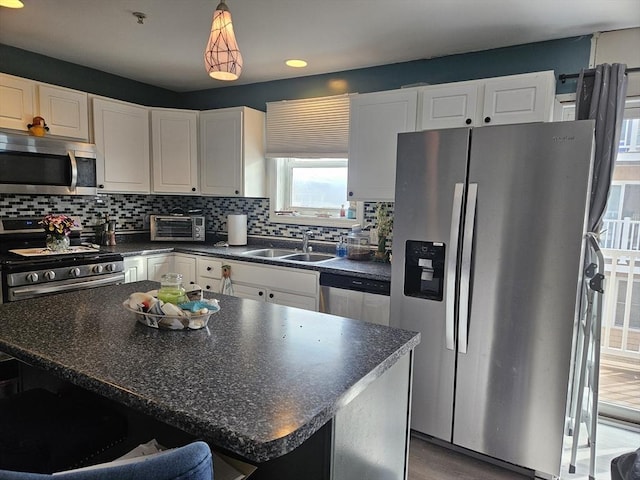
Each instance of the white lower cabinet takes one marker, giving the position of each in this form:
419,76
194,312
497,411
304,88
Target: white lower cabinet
186,266
158,265
209,273
135,269
275,284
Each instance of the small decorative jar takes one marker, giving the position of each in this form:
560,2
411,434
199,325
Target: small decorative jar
172,289
57,242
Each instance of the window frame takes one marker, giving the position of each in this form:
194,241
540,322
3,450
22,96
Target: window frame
280,188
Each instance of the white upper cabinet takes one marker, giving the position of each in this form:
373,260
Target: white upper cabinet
65,111
232,162
174,136
519,98
17,102
448,106
512,99
375,121
121,132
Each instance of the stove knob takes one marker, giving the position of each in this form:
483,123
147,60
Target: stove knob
50,275
98,269
110,267
74,272
32,277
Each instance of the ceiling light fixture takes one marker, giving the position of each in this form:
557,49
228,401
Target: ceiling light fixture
140,16
296,63
11,3
222,57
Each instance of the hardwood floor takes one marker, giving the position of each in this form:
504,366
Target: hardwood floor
432,462
428,461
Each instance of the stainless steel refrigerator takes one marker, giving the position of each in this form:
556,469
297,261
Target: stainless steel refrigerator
487,248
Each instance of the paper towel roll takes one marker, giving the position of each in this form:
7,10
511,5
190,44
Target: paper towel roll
237,229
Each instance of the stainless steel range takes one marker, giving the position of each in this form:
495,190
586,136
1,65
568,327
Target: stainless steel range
28,269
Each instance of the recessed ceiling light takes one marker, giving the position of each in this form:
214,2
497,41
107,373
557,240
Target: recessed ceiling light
11,3
296,63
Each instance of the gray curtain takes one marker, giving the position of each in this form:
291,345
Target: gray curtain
600,95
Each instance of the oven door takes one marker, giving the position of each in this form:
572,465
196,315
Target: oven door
32,291
171,228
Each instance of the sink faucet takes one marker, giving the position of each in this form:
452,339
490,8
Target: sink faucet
305,241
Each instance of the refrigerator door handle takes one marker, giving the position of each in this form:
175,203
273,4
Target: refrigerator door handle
450,320
465,269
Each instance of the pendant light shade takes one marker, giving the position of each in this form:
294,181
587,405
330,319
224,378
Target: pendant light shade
222,57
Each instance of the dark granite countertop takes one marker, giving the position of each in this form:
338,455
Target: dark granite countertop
363,269
259,381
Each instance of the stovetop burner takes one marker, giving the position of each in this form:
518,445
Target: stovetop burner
45,252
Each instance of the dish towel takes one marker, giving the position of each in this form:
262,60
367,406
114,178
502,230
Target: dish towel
226,288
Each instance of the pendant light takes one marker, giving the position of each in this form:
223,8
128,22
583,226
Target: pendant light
222,57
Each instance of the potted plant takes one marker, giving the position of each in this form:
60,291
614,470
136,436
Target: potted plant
384,224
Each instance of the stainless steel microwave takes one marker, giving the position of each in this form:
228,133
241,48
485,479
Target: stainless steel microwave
46,166
177,228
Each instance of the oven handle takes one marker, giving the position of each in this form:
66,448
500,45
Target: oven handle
29,292
74,171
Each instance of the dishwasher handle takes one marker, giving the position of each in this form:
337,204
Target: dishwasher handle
358,284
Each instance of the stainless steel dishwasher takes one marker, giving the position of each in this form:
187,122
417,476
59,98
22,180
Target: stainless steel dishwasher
354,297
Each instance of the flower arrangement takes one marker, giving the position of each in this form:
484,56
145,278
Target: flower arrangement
58,224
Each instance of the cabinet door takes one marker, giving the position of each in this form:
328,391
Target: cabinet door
221,152
249,291
135,269
209,267
375,121
175,151
122,141
158,265
519,99
185,265
448,106
64,111
292,300
17,103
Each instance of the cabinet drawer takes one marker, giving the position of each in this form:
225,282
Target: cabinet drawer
209,284
209,268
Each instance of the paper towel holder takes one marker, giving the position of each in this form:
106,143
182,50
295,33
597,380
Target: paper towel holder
237,229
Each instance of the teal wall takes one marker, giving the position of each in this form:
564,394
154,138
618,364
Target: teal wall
567,55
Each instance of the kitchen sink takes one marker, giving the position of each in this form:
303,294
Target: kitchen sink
269,252
309,257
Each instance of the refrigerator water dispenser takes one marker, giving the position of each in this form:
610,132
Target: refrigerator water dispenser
424,269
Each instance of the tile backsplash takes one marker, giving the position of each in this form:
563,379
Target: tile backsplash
132,212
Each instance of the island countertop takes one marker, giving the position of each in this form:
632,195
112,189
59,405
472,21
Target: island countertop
258,381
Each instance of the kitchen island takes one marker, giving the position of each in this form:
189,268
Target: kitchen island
262,381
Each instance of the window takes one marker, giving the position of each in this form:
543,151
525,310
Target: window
312,192
307,144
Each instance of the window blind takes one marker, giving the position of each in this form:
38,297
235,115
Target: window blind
308,128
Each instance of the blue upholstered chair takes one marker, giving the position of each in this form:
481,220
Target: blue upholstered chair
191,462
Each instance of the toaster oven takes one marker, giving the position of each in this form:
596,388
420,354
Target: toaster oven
177,228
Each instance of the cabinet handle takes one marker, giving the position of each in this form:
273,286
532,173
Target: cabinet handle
271,295
351,194
260,293
468,121
100,186
193,189
487,119
192,282
208,287
237,192
208,269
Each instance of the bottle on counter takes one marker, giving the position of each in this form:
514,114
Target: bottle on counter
172,289
341,248
342,211
351,212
